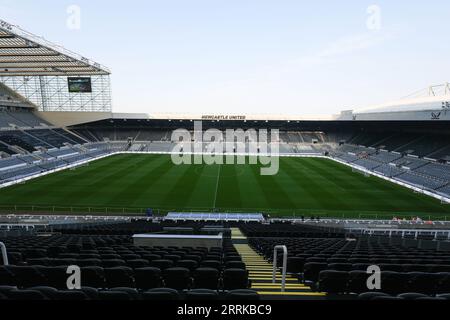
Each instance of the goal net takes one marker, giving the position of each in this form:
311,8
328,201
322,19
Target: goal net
79,166
362,172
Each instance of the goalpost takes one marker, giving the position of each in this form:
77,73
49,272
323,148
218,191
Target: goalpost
86,164
363,172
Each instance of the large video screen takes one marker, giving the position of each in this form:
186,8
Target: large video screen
79,85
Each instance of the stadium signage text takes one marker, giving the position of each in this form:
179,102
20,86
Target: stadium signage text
223,117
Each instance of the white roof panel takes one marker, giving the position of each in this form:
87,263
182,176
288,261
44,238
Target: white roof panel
24,54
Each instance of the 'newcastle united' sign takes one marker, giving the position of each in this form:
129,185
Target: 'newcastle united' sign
223,117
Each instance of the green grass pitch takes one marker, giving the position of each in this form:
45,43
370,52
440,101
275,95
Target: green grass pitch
304,186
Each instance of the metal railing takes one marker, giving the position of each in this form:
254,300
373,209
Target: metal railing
275,261
4,254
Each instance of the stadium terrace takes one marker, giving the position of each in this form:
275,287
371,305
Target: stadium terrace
131,207
210,147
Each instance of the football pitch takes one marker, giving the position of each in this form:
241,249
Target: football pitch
128,184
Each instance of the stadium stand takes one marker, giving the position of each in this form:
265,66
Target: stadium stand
111,263
325,258
48,143
19,117
320,264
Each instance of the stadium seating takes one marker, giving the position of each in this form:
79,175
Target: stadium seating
39,264
113,268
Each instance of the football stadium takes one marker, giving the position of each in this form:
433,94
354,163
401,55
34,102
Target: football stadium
103,205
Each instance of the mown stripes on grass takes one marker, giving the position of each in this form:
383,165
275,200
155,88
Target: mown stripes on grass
302,187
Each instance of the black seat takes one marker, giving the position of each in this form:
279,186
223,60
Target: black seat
386,298
215,264
394,282
161,294
411,296
138,263
68,256
371,295
235,279
27,276
234,257
113,296
74,248
332,281
92,293
177,278
162,264
206,278
357,281
361,266
93,277
14,258
6,289
119,277
242,295
56,276
340,266
63,262
444,283
430,299
7,277
38,262
295,265
172,257
189,264
110,256
426,283
89,262
112,263
35,253
391,267
311,271
133,293
235,265
202,295
415,268
194,257
148,278
133,256
89,256
151,257
49,292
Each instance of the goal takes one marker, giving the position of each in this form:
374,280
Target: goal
79,166
363,172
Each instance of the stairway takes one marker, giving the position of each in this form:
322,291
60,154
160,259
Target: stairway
260,274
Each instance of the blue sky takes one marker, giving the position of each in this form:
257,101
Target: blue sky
251,56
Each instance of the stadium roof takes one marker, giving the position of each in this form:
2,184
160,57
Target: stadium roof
431,98
25,54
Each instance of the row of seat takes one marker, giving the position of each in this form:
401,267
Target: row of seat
140,278
310,270
408,296
155,261
122,294
343,282
338,248
286,230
